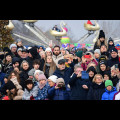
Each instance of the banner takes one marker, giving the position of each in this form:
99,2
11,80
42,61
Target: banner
77,45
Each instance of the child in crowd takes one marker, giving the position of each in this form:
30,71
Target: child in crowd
43,88
109,91
30,91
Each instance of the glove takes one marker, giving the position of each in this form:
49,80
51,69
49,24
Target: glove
32,98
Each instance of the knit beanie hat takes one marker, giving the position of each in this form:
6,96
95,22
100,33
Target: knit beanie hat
42,77
15,59
79,54
13,45
103,62
48,49
60,80
33,52
97,51
53,78
110,39
31,72
10,54
113,50
38,71
19,49
108,83
102,58
91,68
101,34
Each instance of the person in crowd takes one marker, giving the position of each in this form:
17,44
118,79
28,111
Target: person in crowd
24,68
92,72
7,63
101,40
103,67
52,80
79,55
30,91
19,44
36,75
114,57
43,88
57,55
2,75
68,57
86,59
19,52
104,50
111,44
97,54
24,54
79,84
118,48
115,75
48,51
59,91
64,72
117,95
110,91
49,66
107,75
33,54
97,88
41,48
4,87
13,93
63,51
56,28
91,64
13,48
15,78
43,57
15,63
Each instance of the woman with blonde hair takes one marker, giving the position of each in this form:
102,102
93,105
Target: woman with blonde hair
97,88
101,40
49,66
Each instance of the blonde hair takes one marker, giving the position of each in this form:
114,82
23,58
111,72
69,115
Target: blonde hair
99,42
68,55
94,79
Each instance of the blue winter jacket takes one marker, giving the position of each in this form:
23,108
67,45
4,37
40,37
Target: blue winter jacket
67,73
108,95
42,93
58,94
2,75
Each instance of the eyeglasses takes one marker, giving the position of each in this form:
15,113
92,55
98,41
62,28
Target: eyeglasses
98,78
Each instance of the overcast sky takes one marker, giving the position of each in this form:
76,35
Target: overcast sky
77,26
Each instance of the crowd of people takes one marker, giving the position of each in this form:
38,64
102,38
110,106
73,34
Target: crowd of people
56,73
